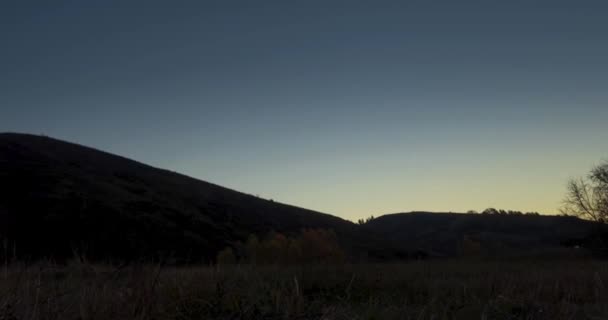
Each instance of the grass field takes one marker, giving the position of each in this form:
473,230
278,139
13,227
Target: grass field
454,289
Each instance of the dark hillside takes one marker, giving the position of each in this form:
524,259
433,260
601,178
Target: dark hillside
447,233
58,197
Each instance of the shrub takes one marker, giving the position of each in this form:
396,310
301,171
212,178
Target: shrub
226,257
308,246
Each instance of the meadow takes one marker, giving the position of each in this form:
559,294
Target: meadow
433,289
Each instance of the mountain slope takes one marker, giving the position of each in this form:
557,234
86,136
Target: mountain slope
59,197
447,234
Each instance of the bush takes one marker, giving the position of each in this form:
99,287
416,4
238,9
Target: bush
309,246
226,257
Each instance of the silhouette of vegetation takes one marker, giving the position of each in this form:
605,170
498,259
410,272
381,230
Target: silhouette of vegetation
587,197
366,220
309,246
509,212
441,289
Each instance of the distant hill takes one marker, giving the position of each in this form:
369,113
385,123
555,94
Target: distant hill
58,199
449,234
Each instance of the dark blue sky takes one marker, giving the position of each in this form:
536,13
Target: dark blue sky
348,107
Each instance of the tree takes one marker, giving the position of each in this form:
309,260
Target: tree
587,197
309,246
226,257
490,211
366,220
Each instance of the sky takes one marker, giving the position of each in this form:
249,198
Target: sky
353,108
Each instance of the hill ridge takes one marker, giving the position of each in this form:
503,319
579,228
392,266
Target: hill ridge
59,197
43,174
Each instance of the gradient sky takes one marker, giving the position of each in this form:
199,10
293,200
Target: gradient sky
348,107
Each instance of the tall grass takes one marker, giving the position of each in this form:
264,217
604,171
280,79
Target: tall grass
458,289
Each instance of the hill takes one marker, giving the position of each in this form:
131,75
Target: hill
58,197
449,234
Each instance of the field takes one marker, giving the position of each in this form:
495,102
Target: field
454,289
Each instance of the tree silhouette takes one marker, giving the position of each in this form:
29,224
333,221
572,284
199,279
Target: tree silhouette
490,211
366,220
587,197
508,212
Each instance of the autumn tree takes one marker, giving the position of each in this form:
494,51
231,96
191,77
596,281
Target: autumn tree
319,246
309,246
226,257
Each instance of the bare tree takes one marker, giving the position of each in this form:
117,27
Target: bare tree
587,197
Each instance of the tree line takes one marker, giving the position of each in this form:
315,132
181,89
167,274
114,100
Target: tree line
507,212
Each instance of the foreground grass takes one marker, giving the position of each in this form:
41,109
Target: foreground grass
418,290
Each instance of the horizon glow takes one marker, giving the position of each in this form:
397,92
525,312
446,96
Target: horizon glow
349,108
